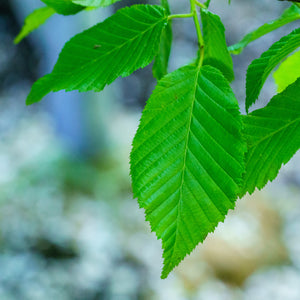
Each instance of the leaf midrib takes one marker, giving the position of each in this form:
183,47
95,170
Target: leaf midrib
184,160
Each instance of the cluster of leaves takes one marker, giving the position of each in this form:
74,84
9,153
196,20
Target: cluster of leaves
193,154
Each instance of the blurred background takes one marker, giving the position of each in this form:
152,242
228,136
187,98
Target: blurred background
69,226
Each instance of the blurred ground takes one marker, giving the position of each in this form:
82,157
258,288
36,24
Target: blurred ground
69,228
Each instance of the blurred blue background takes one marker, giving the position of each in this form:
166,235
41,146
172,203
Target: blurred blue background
69,227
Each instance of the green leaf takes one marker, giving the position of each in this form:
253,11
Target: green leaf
33,21
273,137
289,15
187,158
207,3
160,66
288,72
260,68
64,7
216,53
95,3
124,42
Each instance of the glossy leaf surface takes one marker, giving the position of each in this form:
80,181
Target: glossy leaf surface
160,66
260,68
291,14
273,137
64,7
216,53
187,159
123,43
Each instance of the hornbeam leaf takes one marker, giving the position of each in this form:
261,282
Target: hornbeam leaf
216,53
94,3
124,42
260,68
207,3
160,65
187,158
64,7
34,21
288,72
273,137
289,15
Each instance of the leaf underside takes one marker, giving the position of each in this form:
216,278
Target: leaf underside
187,158
260,68
216,53
273,137
123,43
289,15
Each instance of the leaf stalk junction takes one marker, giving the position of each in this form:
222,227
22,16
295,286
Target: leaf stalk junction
194,14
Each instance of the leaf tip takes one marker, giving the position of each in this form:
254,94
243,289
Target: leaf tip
40,89
166,270
17,39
